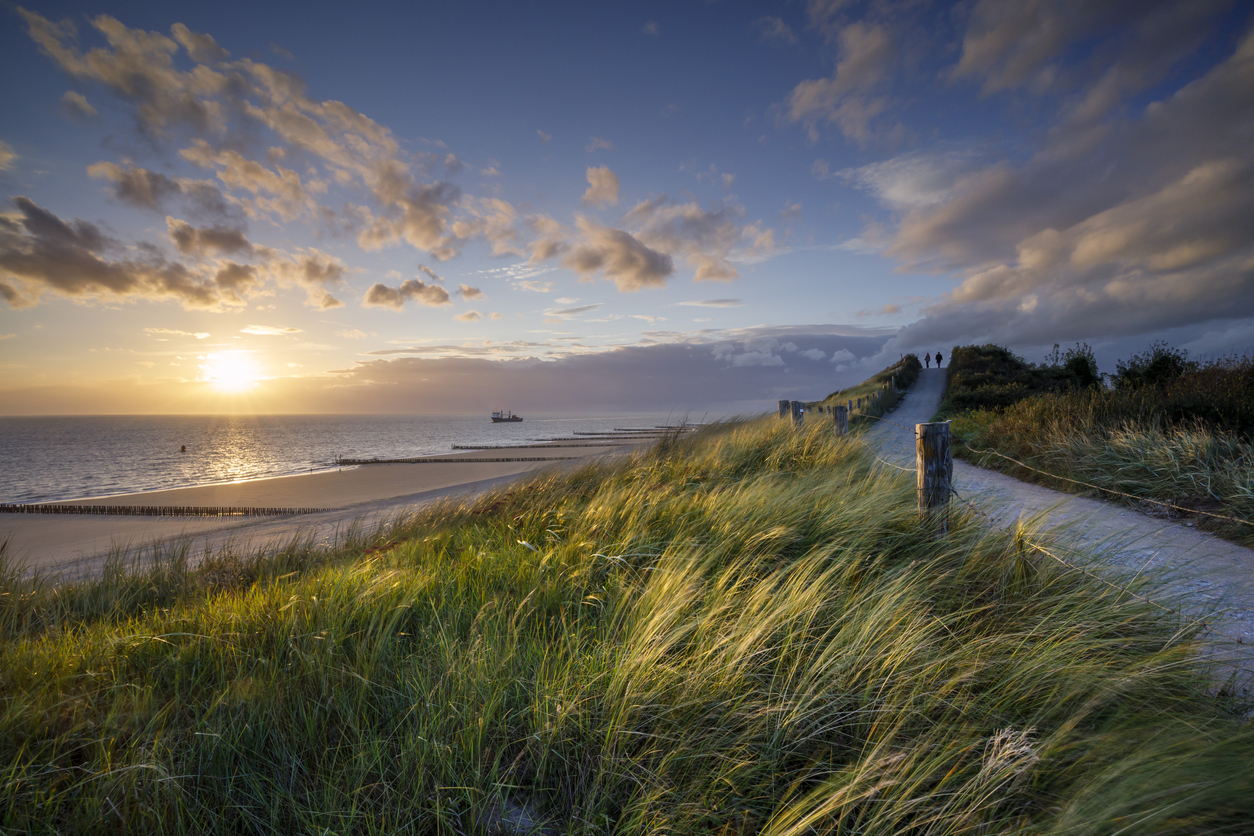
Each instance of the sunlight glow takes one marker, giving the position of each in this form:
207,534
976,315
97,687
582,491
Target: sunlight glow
230,371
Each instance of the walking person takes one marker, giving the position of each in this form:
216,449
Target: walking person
927,360
938,359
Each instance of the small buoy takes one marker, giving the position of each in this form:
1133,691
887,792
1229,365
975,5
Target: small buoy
183,449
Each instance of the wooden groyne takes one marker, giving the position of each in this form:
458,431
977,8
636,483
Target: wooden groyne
155,510
431,460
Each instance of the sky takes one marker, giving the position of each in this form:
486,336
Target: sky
686,206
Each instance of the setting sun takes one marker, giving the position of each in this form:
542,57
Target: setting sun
230,371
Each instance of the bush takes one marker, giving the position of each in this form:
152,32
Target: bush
1160,364
993,377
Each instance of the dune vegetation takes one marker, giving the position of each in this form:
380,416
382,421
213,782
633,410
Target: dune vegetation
743,631
1162,428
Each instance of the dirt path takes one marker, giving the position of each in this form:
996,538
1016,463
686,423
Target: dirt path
1206,574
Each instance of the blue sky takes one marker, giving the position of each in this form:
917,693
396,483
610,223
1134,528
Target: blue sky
685,205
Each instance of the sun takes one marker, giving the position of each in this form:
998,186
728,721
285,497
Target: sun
230,371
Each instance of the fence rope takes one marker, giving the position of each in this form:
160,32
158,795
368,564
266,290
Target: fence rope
973,449
1038,547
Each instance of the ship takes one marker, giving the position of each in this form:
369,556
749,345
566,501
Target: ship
505,417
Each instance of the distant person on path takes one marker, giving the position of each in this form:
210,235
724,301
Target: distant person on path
927,360
938,359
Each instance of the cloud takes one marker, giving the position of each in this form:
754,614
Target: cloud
76,106
814,354
279,191
1144,228
650,28
544,138
705,238
269,330
846,99
352,334
678,372
602,187
196,241
630,264
39,252
917,178
774,30
282,52
380,295
429,273
7,156
714,303
469,316
534,287
574,311
1043,46
467,292
599,144
314,271
200,335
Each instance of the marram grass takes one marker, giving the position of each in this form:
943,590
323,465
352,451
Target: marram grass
747,631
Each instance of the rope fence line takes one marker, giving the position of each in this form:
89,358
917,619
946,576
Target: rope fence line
974,449
1206,627
967,444
1038,547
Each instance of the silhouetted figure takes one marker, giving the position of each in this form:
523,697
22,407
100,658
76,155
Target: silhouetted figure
183,449
927,360
938,359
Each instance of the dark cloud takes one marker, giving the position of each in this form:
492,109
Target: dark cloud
381,296
1140,226
620,256
76,106
201,241
682,376
39,252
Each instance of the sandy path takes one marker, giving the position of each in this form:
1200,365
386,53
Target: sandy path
1207,573
74,545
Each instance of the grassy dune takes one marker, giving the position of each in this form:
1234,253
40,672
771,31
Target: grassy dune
746,631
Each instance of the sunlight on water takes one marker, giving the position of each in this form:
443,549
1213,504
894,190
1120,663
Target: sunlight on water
66,457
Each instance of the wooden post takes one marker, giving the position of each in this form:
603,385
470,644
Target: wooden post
935,464
798,414
784,406
840,417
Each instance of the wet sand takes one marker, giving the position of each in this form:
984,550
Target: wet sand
74,545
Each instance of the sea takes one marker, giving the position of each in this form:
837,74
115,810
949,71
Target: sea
53,458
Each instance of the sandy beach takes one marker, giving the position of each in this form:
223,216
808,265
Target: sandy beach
76,545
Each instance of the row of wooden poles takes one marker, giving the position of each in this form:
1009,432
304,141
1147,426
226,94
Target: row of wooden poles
154,510
934,462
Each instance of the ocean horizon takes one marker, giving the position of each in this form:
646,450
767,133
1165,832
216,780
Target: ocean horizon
66,457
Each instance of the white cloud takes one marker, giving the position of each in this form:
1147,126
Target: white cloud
602,187
269,330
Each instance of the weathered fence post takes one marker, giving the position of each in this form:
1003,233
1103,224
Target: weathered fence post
935,463
798,415
784,406
840,417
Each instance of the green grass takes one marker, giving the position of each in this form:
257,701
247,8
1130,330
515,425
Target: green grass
744,631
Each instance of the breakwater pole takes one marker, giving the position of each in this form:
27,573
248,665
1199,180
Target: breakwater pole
784,408
935,463
797,409
840,419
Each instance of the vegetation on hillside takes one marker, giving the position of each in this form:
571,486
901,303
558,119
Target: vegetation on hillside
744,631
905,371
1166,428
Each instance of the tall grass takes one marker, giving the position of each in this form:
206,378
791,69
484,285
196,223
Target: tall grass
748,631
1116,440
